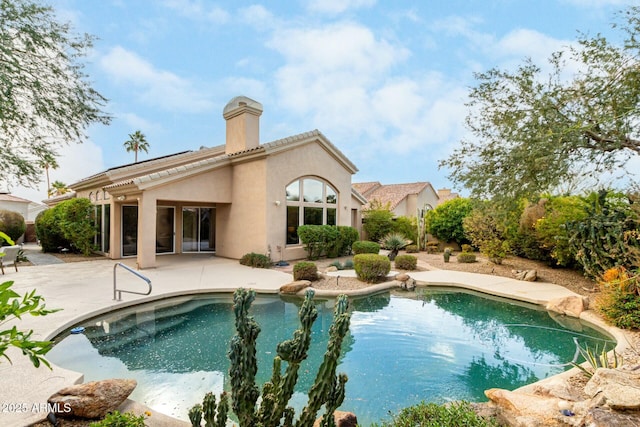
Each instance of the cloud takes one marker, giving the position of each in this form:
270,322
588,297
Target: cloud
337,6
152,86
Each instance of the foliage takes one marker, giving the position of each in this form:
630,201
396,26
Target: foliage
365,247
214,415
526,242
329,240
348,265
608,235
305,270
377,220
457,414
619,298
466,257
411,249
255,260
49,233
136,142
328,389
371,268
58,188
551,232
117,419
13,307
596,358
534,132
445,221
47,100
406,262
5,238
75,218
12,223
485,233
407,226
393,242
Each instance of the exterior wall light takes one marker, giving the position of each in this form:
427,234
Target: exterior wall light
121,198
277,203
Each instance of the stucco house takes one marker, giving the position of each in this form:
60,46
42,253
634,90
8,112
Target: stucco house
403,199
230,199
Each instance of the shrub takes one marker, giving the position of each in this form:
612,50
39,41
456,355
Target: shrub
484,231
117,419
394,242
49,232
377,221
407,226
411,249
406,262
330,240
12,223
371,268
305,270
348,265
446,221
430,414
619,299
365,247
255,260
466,257
76,220
336,264
347,236
466,248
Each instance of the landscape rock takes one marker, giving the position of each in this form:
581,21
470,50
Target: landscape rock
601,417
620,389
93,399
342,419
526,275
521,409
331,268
401,277
294,287
571,306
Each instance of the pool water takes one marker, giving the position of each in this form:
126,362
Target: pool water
436,345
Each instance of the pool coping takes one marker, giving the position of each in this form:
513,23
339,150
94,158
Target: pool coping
537,293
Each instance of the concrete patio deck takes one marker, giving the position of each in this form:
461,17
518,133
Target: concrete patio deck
85,289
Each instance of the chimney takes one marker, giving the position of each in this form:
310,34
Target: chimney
243,124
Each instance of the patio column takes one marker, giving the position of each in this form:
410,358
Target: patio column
146,231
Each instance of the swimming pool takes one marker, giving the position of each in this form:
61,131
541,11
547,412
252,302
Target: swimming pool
435,345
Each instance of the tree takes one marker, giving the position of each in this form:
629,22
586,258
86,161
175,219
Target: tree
58,188
445,221
136,142
47,101
47,162
378,220
535,132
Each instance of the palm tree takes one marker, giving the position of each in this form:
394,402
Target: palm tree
137,142
58,188
48,162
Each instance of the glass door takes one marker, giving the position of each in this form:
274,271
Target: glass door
165,229
129,230
198,229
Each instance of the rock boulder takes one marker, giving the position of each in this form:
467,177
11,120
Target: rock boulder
93,399
294,287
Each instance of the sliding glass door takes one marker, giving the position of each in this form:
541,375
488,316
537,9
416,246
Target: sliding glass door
198,229
129,230
165,229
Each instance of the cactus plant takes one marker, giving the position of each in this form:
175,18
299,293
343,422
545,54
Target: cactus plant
328,389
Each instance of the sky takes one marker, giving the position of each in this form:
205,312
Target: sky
385,81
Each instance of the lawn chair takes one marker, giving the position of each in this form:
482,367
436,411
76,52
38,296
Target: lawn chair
10,257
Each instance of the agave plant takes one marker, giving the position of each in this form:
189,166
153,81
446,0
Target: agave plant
393,242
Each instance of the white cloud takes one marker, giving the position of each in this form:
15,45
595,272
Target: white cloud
338,6
258,16
154,87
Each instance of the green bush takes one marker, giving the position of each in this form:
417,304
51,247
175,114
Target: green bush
305,270
432,415
551,231
347,236
406,262
49,232
407,226
466,248
327,240
365,247
621,308
446,221
12,223
117,419
486,233
371,268
466,257
411,249
255,260
377,221
348,265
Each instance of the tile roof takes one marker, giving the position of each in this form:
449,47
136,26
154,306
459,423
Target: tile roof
6,197
392,193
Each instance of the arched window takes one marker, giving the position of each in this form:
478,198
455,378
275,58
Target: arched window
310,201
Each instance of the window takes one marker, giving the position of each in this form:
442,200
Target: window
309,202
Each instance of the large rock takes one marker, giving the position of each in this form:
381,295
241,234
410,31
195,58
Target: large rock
93,399
526,275
601,417
294,287
530,410
571,306
405,281
342,419
620,389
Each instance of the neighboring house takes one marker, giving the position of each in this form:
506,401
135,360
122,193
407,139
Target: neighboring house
28,209
403,199
445,195
233,199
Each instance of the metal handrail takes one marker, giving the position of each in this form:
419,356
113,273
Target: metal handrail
120,291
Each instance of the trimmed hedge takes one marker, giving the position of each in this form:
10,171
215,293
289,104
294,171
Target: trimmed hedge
255,260
466,257
69,224
411,249
406,262
371,268
12,224
305,270
327,240
365,247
